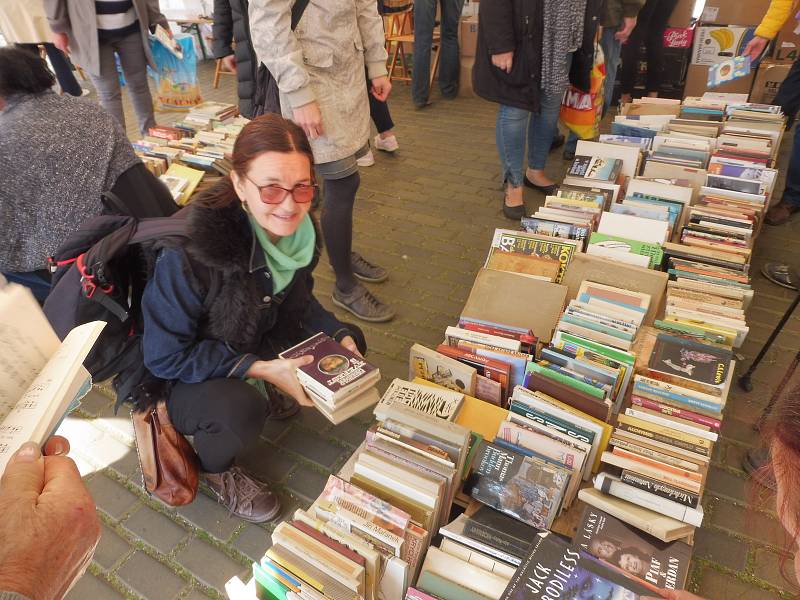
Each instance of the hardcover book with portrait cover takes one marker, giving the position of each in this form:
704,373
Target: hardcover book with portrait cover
336,373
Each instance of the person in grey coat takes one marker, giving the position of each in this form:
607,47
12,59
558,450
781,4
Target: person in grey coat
319,69
91,31
231,25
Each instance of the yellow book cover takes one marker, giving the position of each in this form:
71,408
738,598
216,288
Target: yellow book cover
569,202
193,176
727,334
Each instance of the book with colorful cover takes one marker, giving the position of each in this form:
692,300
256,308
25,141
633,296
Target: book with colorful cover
663,564
336,372
690,360
595,168
550,255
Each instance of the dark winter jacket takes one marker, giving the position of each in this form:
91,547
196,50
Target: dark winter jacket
616,10
231,23
209,310
505,26
583,58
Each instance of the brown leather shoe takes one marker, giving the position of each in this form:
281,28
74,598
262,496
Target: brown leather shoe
281,405
245,497
780,213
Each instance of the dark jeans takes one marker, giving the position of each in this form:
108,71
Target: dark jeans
61,66
424,21
791,192
37,281
225,416
379,111
788,96
649,30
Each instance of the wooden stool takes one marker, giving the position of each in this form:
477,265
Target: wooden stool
397,56
219,71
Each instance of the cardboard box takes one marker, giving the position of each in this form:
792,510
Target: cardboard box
468,36
465,77
734,12
697,83
769,78
501,297
470,8
682,14
717,43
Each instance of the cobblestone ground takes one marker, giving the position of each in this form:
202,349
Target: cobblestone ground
427,213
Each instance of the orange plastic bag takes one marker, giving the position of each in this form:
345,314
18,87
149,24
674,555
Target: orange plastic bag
582,112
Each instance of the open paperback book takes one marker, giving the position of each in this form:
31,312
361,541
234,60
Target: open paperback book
42,378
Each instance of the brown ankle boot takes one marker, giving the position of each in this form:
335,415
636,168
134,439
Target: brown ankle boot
780,213
245,497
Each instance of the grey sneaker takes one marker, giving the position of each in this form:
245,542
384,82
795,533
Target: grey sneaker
780,274
366,271
363,305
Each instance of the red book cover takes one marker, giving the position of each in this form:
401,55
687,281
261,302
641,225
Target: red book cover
496,370
329,542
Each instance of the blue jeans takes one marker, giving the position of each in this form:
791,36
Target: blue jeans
514,125
37,281
612,49
424,20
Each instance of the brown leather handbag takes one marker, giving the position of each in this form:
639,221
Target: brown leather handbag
169,463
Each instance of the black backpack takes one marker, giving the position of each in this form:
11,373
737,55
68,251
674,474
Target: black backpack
99,274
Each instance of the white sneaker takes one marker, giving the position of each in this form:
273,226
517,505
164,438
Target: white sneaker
85,92
387,145
367,160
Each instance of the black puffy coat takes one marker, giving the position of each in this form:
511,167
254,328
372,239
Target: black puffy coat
505,26
231,23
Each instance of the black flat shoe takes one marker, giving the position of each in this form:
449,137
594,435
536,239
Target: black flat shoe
515,213
547,190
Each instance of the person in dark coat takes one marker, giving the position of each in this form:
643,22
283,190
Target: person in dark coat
222,305
231,25
522,62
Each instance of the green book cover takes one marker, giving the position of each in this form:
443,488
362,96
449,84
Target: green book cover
274,589
612,353
566,380
595,326
653,251
445,589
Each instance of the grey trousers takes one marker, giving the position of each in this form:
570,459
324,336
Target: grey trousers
134,66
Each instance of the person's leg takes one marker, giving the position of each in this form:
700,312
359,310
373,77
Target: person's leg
107,83
630,51
449,66
788,96
379,113
63,71
134,65
37,281
655,45
424,20
541,129
612,48
510,130
790,202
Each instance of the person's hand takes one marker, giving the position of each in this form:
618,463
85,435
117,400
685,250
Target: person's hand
229,62
282,372
61,41
628,24
503,61
48,522
381,86
309,117
755,47
349,343
673,595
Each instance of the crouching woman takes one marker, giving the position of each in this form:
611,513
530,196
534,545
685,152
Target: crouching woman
223,303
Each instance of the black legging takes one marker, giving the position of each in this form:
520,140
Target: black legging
225,416
337,227
379,111
649,30
61,66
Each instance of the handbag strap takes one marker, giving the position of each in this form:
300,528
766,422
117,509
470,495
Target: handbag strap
298,9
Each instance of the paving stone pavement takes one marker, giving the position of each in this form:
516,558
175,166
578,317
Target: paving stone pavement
427,213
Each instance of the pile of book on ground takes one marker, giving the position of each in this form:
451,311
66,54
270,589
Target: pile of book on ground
193,152
560,435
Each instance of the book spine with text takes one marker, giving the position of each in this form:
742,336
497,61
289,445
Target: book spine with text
673,411
609,485
664,490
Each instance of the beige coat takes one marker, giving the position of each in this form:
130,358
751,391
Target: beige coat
77,18
24,22
323,59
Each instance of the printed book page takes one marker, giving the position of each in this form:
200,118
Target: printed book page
40,377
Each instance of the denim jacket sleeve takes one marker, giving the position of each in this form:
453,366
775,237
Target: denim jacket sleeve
172,307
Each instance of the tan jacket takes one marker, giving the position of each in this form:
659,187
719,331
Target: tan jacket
24,22
323,59
77,18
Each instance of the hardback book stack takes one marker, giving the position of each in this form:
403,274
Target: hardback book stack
339,382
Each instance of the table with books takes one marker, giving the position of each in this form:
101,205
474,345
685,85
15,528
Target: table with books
559,438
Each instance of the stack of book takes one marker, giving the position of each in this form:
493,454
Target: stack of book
339,382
